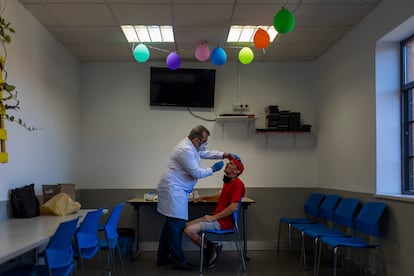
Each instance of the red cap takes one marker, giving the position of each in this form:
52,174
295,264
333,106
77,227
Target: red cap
238,163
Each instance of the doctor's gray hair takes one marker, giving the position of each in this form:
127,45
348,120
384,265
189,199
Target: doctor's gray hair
197,132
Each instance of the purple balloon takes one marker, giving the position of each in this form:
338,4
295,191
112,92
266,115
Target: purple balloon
202,52
173,61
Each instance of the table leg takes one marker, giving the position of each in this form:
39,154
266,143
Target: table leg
245,234
137,250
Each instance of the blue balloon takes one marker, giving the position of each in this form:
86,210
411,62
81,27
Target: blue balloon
218,56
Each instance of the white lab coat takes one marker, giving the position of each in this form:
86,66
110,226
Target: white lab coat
179,179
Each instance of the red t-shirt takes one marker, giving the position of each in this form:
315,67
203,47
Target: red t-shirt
231,192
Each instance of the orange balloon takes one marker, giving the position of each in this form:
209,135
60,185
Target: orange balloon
261,39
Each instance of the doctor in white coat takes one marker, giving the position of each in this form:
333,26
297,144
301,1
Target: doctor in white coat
174,187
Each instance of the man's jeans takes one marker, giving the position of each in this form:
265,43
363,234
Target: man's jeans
170,241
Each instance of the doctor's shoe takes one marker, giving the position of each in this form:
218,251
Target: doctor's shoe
164,261
186,266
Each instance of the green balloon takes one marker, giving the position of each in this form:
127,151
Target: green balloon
284,21
141,53
246,55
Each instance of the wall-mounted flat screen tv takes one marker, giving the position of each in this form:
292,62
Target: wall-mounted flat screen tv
182,87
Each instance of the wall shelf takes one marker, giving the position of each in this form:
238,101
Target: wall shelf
268,132
272,131
246,118
233,119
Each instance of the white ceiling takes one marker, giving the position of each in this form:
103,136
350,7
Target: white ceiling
90,28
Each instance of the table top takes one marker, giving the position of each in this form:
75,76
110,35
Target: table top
142,201
20,235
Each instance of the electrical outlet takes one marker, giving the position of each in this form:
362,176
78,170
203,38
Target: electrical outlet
240,107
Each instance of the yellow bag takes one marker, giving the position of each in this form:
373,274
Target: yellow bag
61,204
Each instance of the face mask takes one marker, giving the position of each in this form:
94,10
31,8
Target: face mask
227,179
203,147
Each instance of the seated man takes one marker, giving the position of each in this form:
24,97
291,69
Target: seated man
221,218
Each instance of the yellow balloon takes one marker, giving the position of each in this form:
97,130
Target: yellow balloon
246,55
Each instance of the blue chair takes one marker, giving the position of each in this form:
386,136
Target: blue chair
86,238
367,222
110,240
326,211
343,220
235,233
58,254
311,208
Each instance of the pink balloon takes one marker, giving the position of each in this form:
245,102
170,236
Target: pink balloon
173,61
202,52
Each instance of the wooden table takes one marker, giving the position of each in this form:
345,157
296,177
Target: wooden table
138,202
20,235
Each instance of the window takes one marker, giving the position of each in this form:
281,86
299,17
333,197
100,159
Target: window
407,114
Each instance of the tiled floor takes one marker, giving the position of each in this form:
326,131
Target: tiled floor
261,263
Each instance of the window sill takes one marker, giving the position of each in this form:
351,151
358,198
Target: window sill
398,197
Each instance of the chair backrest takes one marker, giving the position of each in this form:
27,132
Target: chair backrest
87,234
368,218
327,208
345,212
236,215
312,204
58,252
111,223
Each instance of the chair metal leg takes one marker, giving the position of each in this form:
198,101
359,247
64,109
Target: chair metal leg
81,261
278,239
303,252
109,254
315,263
202,253
240,251
318,257
335,260
120,258
290,237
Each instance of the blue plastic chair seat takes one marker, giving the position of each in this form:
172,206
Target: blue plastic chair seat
295,220
350,241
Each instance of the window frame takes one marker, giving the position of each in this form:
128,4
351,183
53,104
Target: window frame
407,91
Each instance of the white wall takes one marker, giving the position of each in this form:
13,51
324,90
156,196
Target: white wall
126,143
346,102
47,80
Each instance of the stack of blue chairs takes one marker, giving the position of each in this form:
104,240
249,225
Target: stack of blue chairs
343,221
366,224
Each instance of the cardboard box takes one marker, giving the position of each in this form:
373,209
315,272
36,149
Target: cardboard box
51,190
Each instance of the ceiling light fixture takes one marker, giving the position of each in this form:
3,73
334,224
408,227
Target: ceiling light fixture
151,33
239,33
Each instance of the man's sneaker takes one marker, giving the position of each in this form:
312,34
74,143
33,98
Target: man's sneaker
214,256
207,252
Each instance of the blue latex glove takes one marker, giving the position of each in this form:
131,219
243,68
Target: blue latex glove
217,166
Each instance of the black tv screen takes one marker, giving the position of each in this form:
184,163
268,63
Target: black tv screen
182,87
